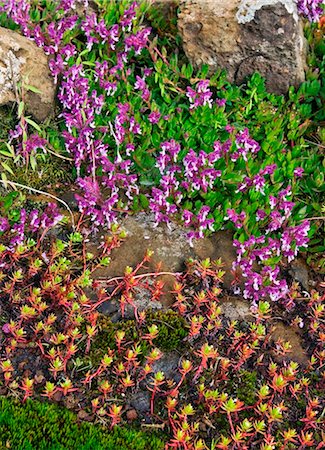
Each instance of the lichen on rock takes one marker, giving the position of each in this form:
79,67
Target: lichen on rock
247,8
246,36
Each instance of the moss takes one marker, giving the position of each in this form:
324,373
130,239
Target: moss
47,173
42,426
49,170
246,386
8,121
171,326
172,329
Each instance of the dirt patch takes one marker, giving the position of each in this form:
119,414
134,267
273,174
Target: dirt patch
286,333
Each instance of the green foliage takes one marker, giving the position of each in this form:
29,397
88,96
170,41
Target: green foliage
289,128
10,205
246,386
171,325
162,18
42,426
49,173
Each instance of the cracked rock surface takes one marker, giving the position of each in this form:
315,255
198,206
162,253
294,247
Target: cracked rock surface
22,62
244,37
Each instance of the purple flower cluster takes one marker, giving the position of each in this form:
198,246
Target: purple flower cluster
310,9
137,41
198,222
258,181
34,222
193,172
82,105
196,172
199,171
26,145
201,96
245,145
97,32
266,251
79,112
237,219
125,123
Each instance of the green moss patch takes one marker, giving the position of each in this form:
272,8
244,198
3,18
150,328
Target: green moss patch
42,426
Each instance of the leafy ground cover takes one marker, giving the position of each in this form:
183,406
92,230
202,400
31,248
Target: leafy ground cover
43,426
138,128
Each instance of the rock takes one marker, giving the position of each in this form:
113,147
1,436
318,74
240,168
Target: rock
299,271
39,377
131,415
84,7
142,302
287,333
245,36
84,415
141,401
70,199
171,251
235,308
22,61
168,364
70,402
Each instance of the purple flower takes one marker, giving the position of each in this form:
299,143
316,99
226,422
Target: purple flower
221,102
201,96
245,145
154,117
260,214
128,16
137,41
311,9
4,224
298,172
237,219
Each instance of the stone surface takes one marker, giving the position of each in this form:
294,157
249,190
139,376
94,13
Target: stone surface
287,333
22,61
299,271
142,302
171,250
141,401
236,308
131,415
83,7
168,364
245,36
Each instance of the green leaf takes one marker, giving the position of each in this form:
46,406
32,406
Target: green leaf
7,168
144,201
33,124
21,108
28,87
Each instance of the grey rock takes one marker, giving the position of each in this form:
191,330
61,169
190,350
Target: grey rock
142,302
299,271
289,334
168,364
235,308
141,401
245,36
21,61
171,250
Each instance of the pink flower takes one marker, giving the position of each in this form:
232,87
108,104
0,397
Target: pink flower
6,328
